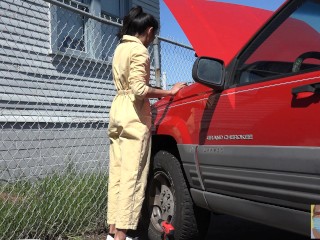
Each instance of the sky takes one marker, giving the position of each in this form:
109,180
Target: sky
169,28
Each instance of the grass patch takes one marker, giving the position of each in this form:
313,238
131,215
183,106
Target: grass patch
58,205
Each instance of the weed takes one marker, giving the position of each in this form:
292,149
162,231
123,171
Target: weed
58,205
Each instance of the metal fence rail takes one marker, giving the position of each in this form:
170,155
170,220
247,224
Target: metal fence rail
55,92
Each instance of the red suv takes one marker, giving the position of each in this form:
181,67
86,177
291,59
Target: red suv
244,139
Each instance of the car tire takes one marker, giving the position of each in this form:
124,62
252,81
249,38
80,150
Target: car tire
167,194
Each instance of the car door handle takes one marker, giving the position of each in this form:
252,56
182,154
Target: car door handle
313,88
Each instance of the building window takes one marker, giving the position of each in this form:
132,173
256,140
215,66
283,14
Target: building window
114,9
73,33
68,28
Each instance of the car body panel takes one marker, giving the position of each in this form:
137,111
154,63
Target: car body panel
185,126
269,113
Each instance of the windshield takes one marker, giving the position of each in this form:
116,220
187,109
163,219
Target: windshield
297,35
293,47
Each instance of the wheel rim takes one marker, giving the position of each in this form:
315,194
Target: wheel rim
161,199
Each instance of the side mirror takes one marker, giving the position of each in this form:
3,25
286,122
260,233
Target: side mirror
208,71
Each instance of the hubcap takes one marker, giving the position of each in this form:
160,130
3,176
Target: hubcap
161,200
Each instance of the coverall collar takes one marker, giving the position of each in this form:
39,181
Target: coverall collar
129,38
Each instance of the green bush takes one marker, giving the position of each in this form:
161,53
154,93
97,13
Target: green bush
58,205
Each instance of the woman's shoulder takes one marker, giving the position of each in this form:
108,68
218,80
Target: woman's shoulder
131,46
137,48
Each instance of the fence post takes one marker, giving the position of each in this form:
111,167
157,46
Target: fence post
93,29
157,61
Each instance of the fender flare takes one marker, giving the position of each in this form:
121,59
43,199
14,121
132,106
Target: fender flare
175,127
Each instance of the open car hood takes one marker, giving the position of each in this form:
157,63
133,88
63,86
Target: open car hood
217,29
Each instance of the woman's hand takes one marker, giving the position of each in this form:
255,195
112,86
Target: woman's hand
176,88
156,92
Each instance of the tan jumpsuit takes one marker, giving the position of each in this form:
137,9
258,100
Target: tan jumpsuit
129,133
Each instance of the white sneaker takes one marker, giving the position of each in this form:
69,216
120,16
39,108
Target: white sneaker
132,238
109,237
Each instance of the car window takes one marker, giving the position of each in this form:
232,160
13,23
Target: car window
294,47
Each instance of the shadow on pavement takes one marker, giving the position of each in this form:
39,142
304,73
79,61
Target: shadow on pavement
224,227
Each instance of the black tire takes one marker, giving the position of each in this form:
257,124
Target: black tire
189,221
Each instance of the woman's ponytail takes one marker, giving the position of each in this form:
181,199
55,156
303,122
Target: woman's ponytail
136,22
134,12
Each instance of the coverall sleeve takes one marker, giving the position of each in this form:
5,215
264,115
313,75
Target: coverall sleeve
139,71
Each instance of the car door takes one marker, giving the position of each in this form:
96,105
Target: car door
263,140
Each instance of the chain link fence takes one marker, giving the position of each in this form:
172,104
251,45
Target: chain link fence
176,63
56,90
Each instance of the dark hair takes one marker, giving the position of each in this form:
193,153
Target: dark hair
136,22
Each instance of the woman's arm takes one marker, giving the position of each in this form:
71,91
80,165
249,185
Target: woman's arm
159,93
139,66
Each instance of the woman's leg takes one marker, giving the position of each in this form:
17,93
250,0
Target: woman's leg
112,229
114,177
135,150
134,141
121,234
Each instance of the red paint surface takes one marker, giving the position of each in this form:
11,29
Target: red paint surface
266,111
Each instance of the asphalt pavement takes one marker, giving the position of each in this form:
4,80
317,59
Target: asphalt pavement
224,227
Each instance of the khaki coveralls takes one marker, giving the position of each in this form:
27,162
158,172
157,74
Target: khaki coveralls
129,133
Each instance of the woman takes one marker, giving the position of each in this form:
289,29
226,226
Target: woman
130,122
